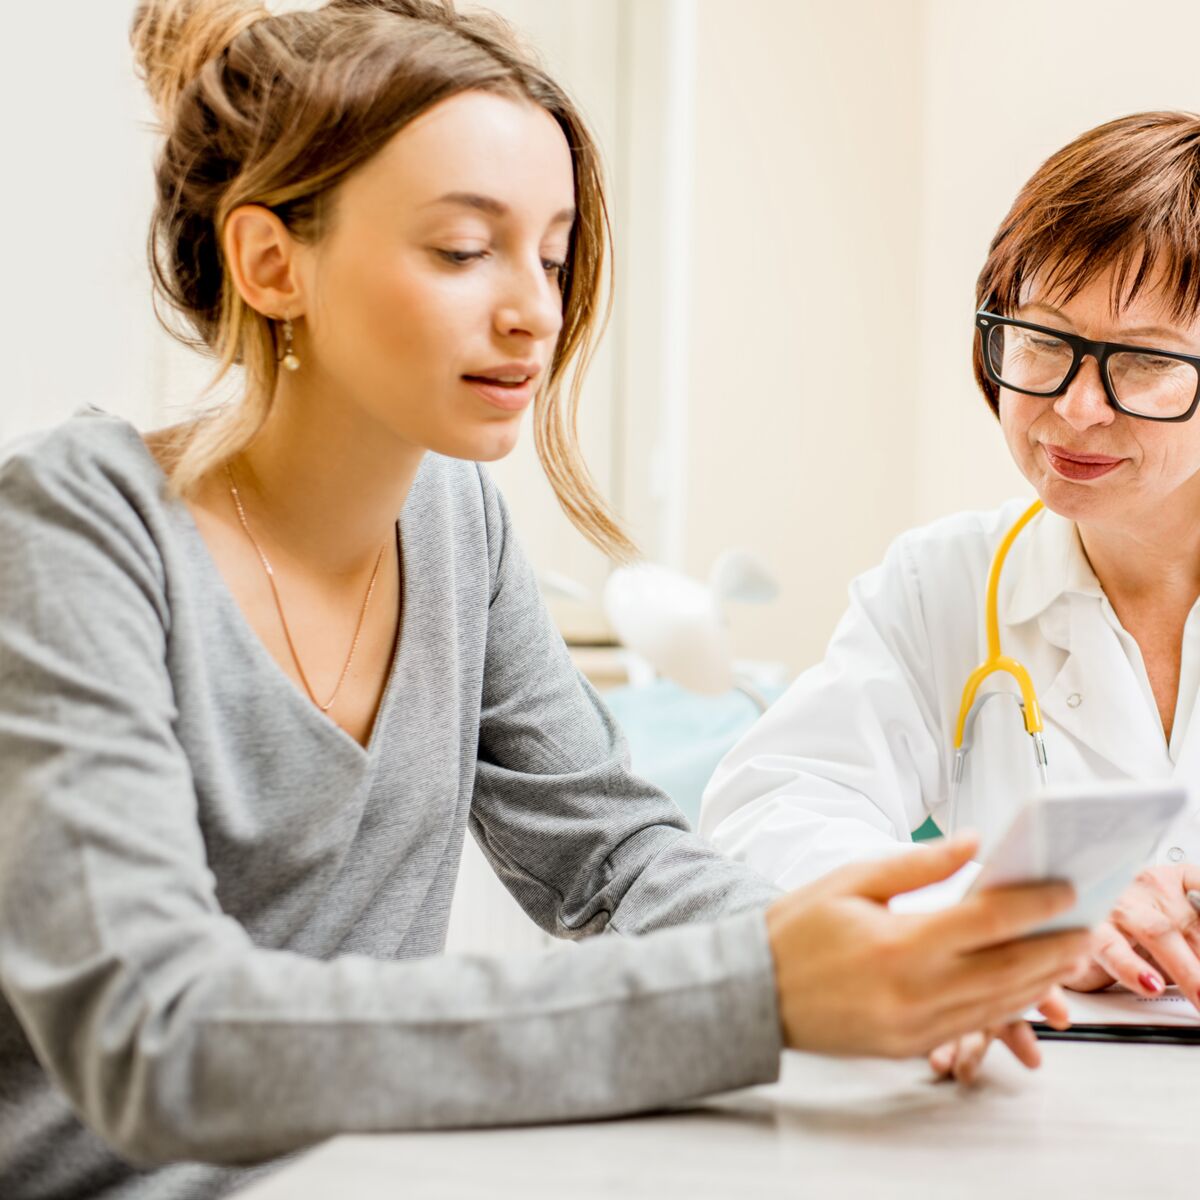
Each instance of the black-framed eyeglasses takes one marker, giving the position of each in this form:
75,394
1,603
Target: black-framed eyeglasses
1155,385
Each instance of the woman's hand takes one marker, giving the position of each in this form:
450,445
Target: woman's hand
854,978
1151,939
962,1057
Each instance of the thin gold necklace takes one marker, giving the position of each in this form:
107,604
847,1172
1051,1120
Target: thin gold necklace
287,633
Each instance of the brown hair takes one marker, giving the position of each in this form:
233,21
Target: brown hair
278,110
1123,197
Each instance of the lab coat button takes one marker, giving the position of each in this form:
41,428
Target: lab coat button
1175,854
1074,700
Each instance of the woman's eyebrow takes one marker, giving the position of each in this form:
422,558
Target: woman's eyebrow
1152,331
494,207
1046,308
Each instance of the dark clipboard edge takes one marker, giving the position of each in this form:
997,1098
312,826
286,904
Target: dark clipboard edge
1167,1035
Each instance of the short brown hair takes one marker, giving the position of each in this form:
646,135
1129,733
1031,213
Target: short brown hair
278,110
1124,197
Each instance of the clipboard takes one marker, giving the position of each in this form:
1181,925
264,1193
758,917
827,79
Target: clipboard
1117,1015
1166,1035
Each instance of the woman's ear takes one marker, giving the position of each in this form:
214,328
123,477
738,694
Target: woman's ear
261,256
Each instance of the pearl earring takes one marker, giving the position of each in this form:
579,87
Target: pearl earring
289,359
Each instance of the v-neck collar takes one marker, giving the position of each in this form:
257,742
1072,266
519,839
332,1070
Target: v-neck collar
200,554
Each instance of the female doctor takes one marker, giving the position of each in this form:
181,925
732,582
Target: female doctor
1087,348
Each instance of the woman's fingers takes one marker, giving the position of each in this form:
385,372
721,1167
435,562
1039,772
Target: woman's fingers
971,1049
1189,887
963,1057
996,986
941,1058
960,1058
1115,956
1055,1009
1171,951
884,878
998,915
1090,977
852,977
999,972
1188,921
1155,920
983,1014
1019,1037
1191,931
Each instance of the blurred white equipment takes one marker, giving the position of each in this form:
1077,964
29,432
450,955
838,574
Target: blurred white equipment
677,624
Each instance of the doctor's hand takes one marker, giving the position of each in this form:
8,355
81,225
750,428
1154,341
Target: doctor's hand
1151,939
854,978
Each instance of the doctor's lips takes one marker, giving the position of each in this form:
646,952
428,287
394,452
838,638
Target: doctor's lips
1081,467
509,386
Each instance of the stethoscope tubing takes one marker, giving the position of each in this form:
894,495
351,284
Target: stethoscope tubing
995,663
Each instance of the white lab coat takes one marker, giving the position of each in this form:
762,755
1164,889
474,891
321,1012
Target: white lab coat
858,752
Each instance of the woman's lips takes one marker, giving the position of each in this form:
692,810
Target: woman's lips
511,397
1079,467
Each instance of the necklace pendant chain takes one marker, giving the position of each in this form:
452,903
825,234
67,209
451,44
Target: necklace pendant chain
269,571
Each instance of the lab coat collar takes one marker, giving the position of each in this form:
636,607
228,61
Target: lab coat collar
1047,561
1078,699
1053,582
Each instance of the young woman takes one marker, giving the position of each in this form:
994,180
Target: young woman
246,714
1087,349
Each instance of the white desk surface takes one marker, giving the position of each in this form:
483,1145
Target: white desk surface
1097,1120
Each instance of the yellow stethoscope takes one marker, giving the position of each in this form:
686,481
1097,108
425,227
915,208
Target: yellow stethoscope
997,663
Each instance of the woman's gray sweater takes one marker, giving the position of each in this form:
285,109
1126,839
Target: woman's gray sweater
221,917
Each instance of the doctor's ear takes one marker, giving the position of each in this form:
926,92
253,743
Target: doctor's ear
263,260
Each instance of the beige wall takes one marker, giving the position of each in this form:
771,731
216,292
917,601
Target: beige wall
847,164
852,163
581,43
75,318
999,96
804,286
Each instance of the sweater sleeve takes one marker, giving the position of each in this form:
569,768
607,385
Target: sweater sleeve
171,1032
581,842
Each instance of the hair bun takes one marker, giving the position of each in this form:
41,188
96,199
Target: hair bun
439,12
173,39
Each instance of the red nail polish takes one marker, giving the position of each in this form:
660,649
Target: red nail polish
1150,982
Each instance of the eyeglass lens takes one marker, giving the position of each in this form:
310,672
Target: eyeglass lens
1153,385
